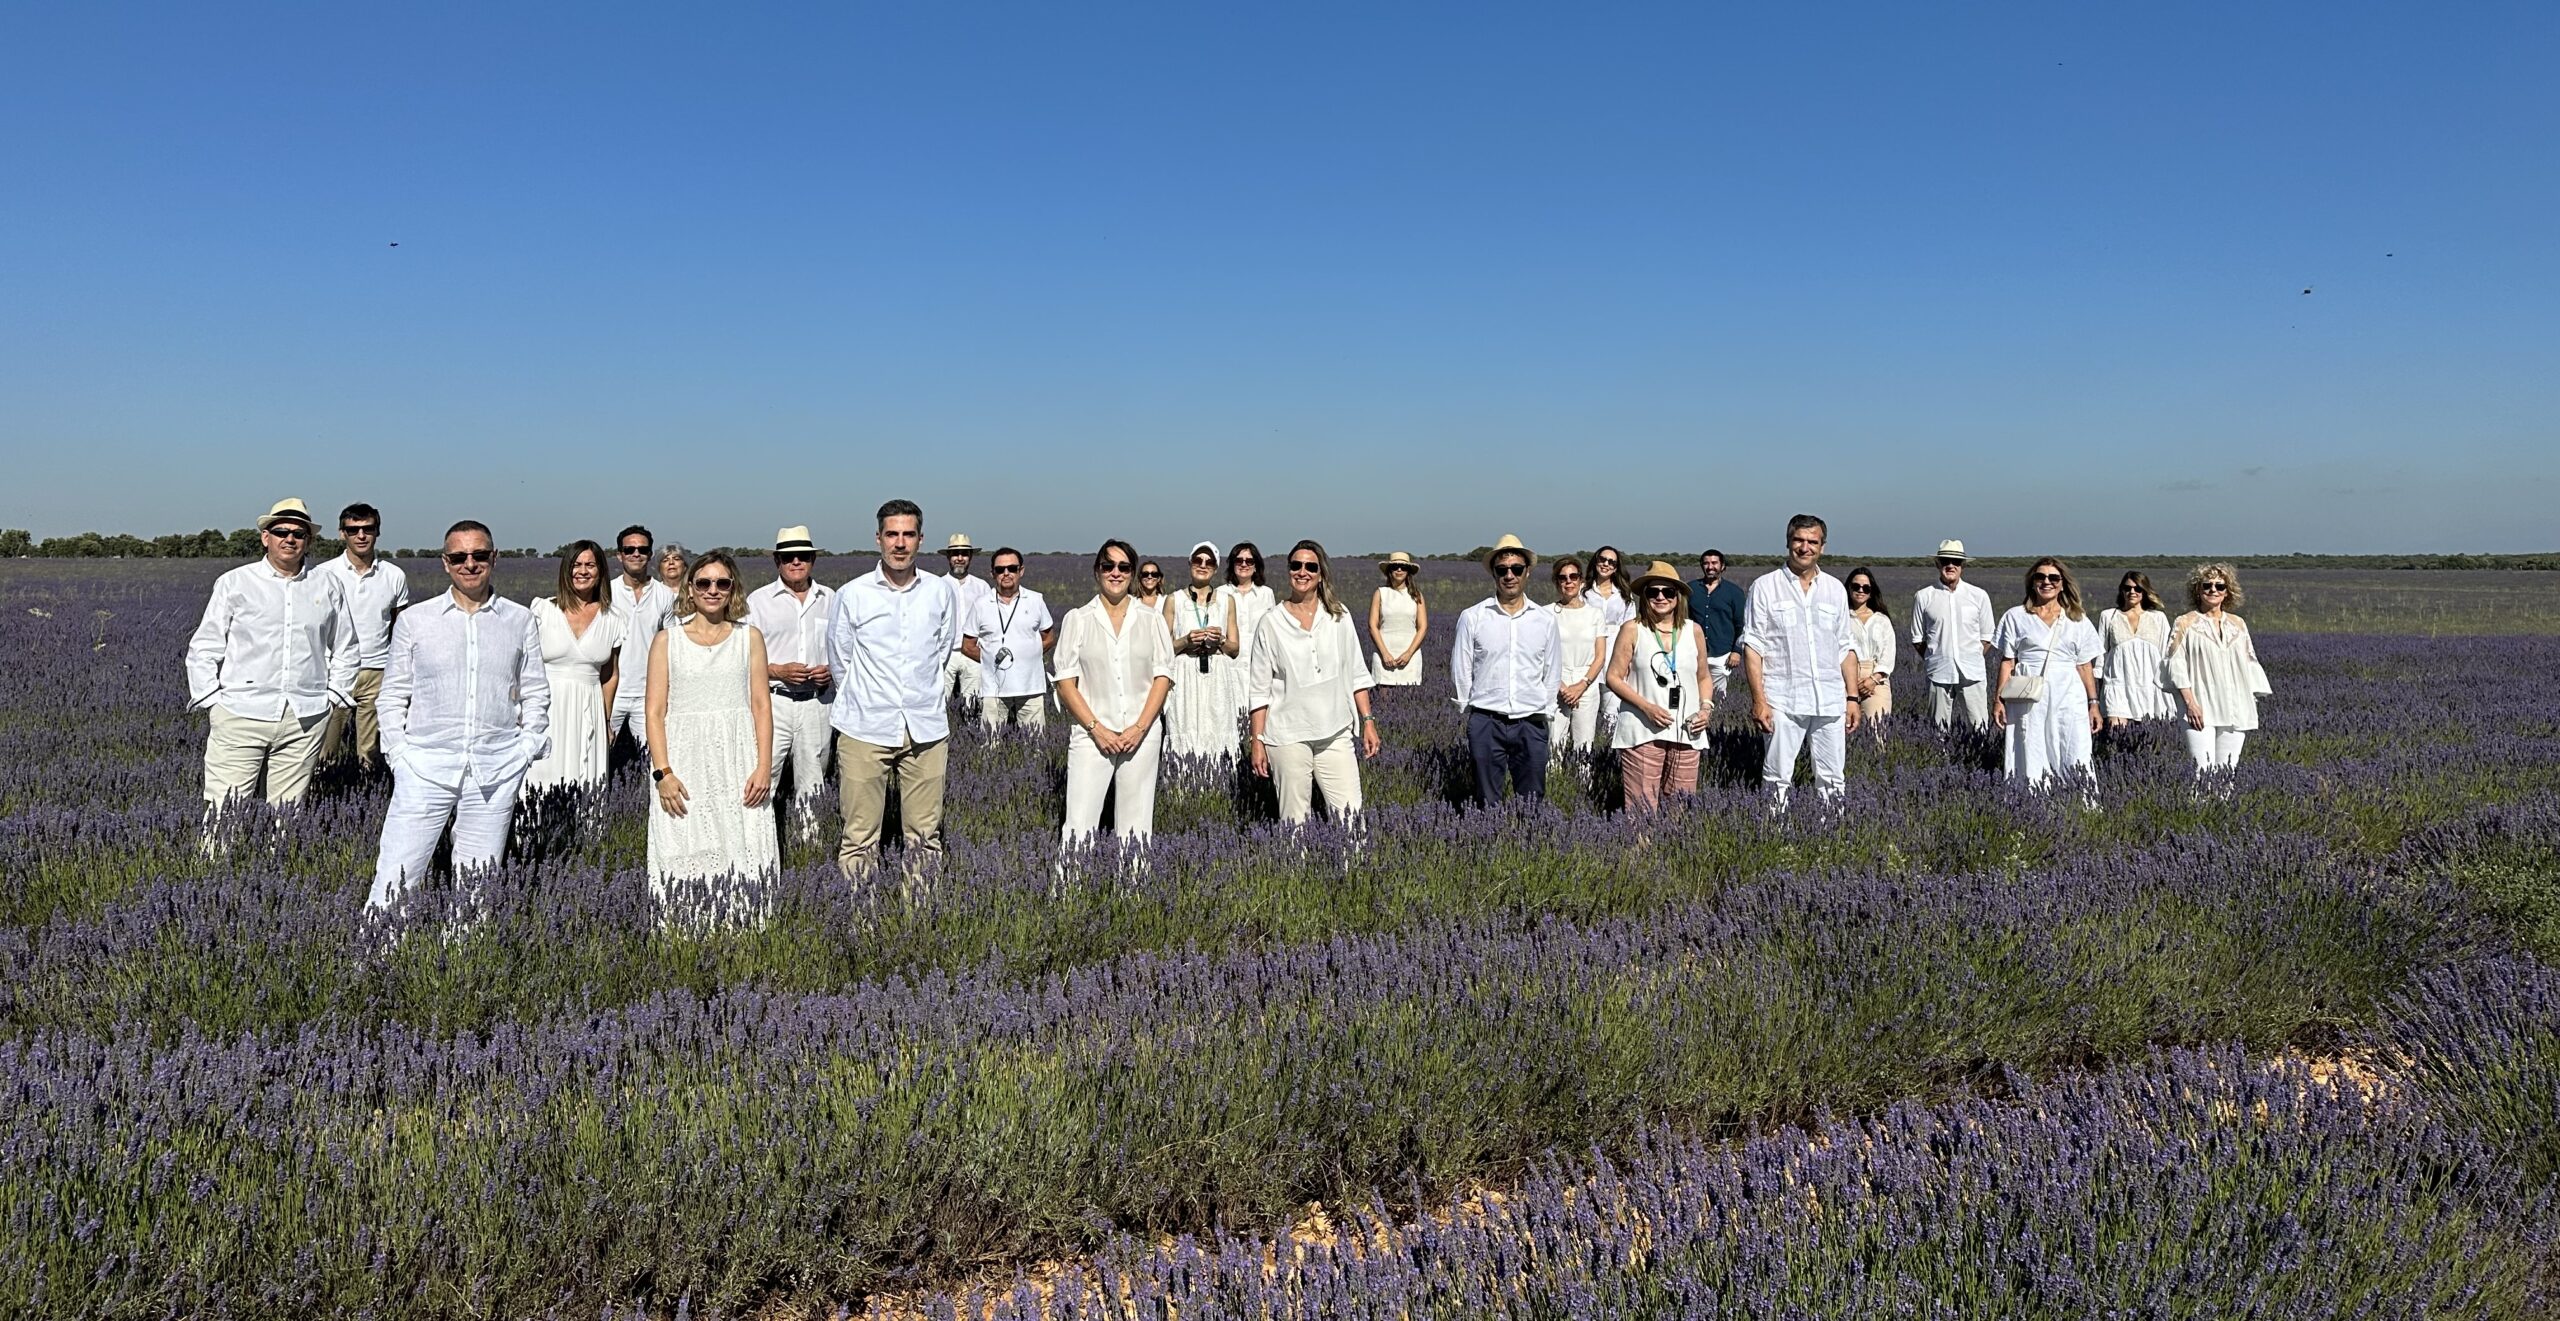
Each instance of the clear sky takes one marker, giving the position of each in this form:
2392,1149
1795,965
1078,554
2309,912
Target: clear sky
1391,275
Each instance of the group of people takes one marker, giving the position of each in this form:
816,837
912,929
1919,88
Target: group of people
475,702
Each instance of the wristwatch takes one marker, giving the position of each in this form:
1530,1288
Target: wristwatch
657,773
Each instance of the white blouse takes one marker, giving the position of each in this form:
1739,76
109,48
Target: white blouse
1872,637
2053,651
1306,676
2211,660
1113,670
1585,634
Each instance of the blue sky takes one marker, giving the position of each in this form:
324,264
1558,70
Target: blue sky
1389,275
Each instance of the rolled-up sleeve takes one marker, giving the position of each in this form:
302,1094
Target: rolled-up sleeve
1262,668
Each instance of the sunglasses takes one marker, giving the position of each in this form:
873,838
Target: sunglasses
1205,561
710,584
1305,566
1662,593
1951,564
1008,568
359,529
459,557
1108,566
1604,564
789,557
1246,559
2217,587
1568,577
631,550
1151,575
282,532
1862,587
2044,578
1511,571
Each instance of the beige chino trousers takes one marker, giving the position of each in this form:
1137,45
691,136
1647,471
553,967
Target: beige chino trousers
863,772
241,754
363,718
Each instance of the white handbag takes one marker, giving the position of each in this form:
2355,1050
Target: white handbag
2022,688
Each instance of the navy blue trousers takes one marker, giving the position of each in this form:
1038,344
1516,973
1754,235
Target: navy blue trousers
1503,746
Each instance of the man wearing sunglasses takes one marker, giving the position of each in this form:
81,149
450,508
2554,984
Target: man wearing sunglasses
791,612
1951,626
1506,665
466,708
646,603
377,591
1008,636
274,654
1802,660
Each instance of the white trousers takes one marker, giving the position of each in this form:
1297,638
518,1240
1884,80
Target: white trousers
2215,747
1723,676
962,673
1830,754
478,812
241,754
1576,726
802,738
1022,712
634,719
1127,780
1331,764
1973,699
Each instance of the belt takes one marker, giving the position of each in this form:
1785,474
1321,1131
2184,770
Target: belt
1510,720
795,695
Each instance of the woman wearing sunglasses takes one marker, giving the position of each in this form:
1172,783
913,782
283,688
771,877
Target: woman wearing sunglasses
1583,630
1200,716
2045,697
1398,622
1871,630
1247,587
1606,587
1113,666
1149,593
1656,668
2135,633
2214,666
1309,693
710,738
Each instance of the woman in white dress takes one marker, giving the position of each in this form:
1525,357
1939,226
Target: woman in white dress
1658,669
581,634
1606,587
1253,600
1585,635
1871,632
2048,637
710,738
1398,621
2214,666
2135,634
1309,694
1113,666
1200,716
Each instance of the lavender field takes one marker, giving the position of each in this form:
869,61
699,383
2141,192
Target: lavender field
2282,1047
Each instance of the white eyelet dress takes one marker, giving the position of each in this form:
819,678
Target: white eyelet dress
711,746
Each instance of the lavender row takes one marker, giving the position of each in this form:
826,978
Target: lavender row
756,1145
2198,1184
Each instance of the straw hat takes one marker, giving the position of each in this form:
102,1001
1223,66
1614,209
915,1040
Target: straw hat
1659,571
793,538
959,544
1951,550
1398,560
287,510
1508,543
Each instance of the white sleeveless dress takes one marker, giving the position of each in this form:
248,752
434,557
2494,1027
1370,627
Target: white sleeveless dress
1199,715
1399,615
580,726
711,746
1252,603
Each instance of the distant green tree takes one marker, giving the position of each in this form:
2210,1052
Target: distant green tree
15,541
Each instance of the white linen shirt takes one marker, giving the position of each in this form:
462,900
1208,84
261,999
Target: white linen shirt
1000,625
795,630
1113,671
1305,676
377,596
1874,637
1952,624
271,643
1800,637
465,692
644,615
888,648
1508,664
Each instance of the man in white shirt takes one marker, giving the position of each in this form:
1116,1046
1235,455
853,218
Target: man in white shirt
960,675
889,635
275,652
1802,662
377,591
1951,626
1506,665
792,612
465,709
646,604
1008,637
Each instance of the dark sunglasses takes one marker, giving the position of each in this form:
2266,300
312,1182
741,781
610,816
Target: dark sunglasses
1246,559
1604,564
1951,564
790,557
1868,588
1151,574
2044,578
1107,566
1205,561
1569,577
469,556
2216,587
710,584
1305,566
1662,593
289,532
359,529
1511,571
631,550
1008,568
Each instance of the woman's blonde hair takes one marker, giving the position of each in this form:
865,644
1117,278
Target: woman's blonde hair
2199,575
568,595
1324,574
685,607
2070,588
